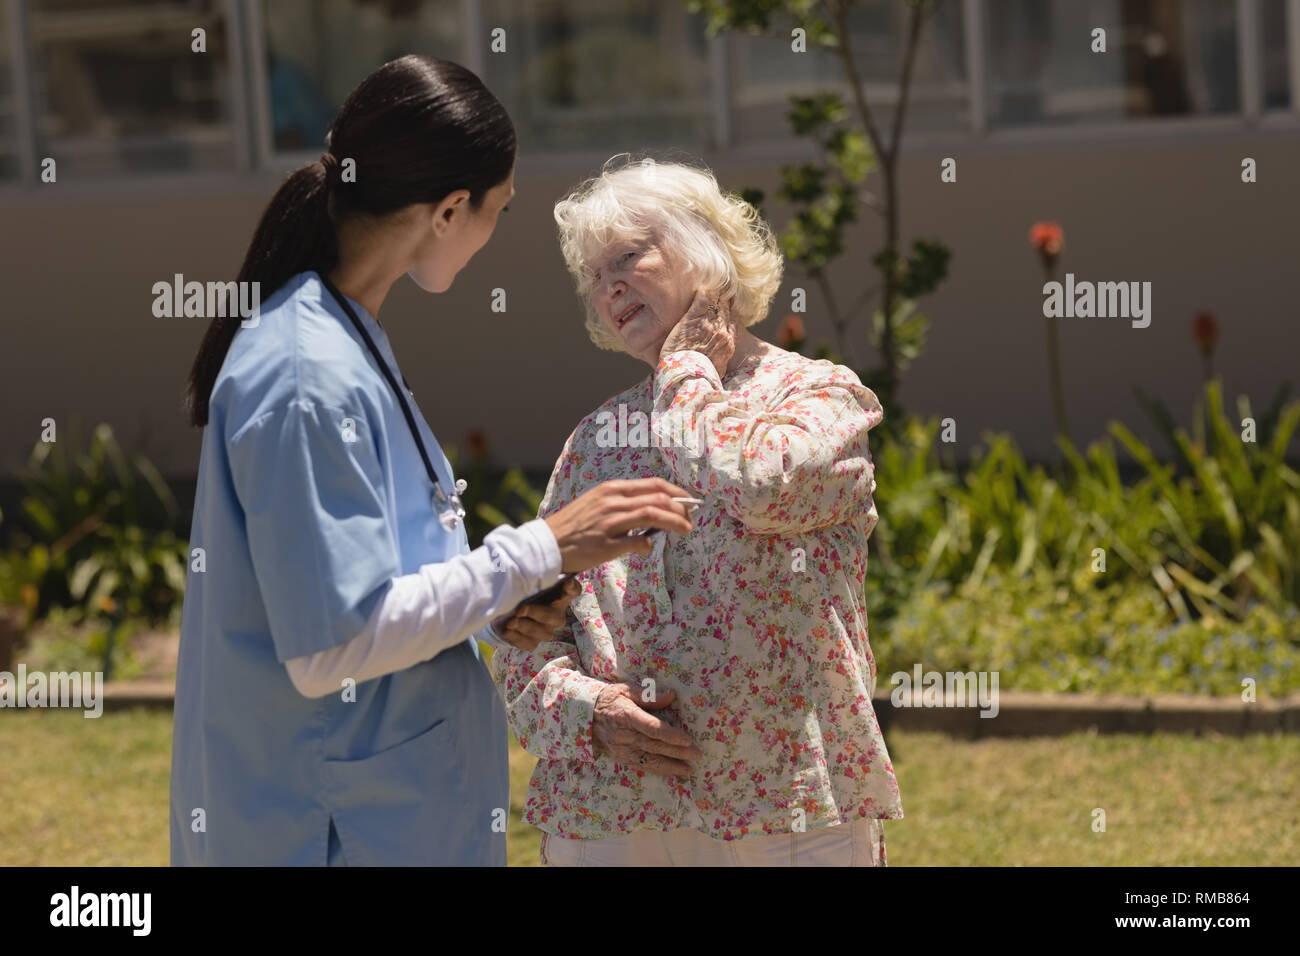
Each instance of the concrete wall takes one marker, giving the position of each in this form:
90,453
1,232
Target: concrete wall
78,262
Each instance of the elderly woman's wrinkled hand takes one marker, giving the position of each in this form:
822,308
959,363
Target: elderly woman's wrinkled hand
533,624
624,729
706,327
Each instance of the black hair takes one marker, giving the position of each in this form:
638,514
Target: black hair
417,129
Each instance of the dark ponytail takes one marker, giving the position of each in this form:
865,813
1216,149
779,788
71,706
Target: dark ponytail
294,234
417,129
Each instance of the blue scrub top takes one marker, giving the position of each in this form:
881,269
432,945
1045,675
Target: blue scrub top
311,497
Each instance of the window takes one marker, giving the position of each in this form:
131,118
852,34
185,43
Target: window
9,146
317,51
117,89
112,87
579,74
766,72
1162,59
1274,29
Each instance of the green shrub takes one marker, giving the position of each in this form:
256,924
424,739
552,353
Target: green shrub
1217,538
96,531
68,640
1044,634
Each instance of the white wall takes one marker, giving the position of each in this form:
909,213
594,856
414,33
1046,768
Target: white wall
78,262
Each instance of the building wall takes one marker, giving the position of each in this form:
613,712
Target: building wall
79,261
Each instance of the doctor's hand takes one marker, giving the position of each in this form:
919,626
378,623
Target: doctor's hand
533,624
593,528
624,728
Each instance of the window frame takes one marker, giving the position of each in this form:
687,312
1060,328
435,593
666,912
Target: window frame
22,60
20,63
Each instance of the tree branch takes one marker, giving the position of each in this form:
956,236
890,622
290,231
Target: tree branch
838,8
862,300
915,22
838,320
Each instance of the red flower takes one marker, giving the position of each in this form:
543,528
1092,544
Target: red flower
1048,238
1205,330
475,443
791,334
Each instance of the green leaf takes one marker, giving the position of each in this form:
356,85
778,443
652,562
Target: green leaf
909,338
1268,421
807,114
851,153
139,567
1143,456
40,514
1164,422
936,550
983,561
924,269
1170,591
492,514
173,569
157,484
105,586
1286,426
82,576
803,183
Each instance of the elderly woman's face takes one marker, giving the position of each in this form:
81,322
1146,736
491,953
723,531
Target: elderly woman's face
640,294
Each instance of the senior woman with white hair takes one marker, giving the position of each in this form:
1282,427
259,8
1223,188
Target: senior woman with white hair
710,702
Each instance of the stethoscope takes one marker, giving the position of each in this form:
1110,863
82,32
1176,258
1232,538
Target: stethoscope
449,509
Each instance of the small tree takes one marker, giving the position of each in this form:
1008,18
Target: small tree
826,195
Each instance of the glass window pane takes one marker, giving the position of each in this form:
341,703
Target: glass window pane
601,74
1162,59
317,51
9,167
1274,29
118,90
766,72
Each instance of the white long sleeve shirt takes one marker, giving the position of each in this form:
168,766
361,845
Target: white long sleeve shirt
438,607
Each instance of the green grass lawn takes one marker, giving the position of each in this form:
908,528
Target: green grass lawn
94,792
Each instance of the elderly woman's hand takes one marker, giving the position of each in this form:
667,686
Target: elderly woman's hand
706,327
623,728
532,624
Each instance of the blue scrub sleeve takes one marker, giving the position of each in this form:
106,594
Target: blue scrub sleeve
322,546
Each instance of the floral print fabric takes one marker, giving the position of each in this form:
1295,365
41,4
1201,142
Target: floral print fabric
755,619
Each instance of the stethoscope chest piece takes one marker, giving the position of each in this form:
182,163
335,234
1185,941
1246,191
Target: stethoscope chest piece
450,511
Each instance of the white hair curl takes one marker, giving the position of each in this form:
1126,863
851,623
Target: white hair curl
719,239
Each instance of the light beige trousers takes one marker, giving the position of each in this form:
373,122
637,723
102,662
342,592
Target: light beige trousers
860,843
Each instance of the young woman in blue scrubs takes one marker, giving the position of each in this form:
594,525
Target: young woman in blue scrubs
331,705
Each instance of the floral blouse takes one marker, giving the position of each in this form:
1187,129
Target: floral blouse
755,619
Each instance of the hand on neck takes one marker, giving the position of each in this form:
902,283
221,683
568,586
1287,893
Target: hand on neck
748,345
